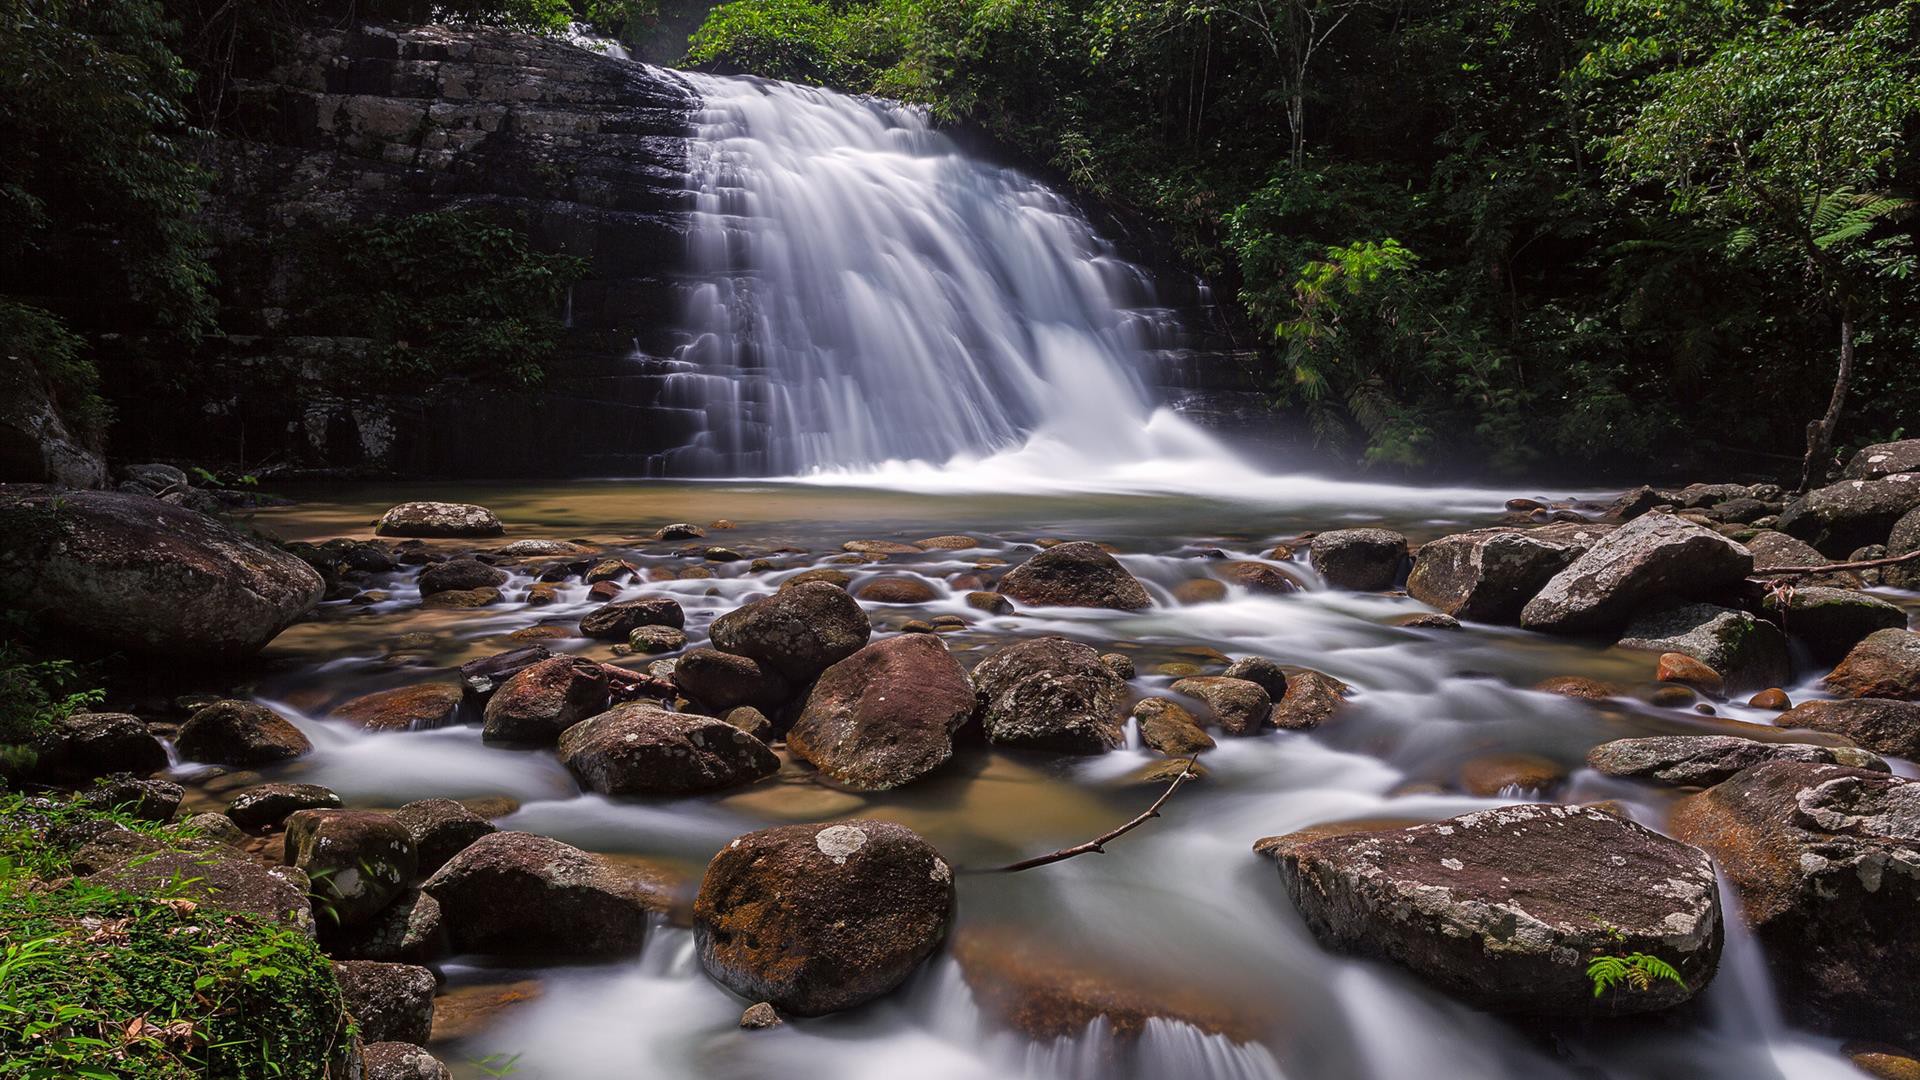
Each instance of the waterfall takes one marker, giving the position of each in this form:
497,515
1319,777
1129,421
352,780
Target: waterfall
869,297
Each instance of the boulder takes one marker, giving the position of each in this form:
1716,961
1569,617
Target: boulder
1746,653
83,745
145,798
1312,699
1261,579
1265,673
1488,575
438,520
817,918
479,678
1170,729
990,602
1677,667
143,576
1777,551
240,733
1705,760
642,749
1852,513
722,681
37,444
542,549
218,876
1505,908
897,590
884,716
1653,557
1826,862
1886,664
518,894
358,860
408,930
392,1002
839,579
752,721
400,1061
1903,540
463,598
1204,590
1049,693
545,699
215,827
1891,727
652,640
1364,560
1079,574
406,708
459,574
264,806
1883,459
1240,706
799,631
617,621
1120,664
441,829
1832,621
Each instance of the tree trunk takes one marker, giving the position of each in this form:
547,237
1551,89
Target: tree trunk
1820,432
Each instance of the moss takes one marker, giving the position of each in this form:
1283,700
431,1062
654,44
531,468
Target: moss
95,982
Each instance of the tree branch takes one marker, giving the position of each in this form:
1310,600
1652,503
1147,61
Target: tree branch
1098,844
1864,564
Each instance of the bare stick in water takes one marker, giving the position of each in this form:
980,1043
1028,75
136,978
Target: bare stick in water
1864,564
1098,843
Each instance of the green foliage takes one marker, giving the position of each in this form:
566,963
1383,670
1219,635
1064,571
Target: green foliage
34,694
781,39
100,983
36,342
1635,970
451,293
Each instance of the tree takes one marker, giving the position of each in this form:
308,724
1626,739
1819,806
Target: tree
1786,138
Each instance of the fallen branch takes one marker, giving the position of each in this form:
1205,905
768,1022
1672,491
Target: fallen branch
1098,843
1864,564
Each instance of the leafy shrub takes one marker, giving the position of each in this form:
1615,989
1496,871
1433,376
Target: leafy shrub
450,292
34,693
102,984
799,40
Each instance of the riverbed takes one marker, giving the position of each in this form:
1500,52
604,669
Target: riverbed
1179,920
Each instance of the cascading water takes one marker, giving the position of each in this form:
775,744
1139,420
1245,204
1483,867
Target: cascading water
872,296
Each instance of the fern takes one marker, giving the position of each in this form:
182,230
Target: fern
1636,970
1844,215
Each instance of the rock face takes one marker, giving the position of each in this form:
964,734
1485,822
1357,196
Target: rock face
818,918
799,631
1852,513
1886,664
439,520
37,446
392,1002
617,621
1652,557
546,699
85,745
1365,560
1504,908
1891,727
641,749
358,860
517,894
1832,621
1050,694
1884,459
1747,653
1704,760
1490,574
240,733
722,681
406,708
886,715
147,576
1240,706
1826,861
1080,574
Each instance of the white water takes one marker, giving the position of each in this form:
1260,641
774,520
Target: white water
881,308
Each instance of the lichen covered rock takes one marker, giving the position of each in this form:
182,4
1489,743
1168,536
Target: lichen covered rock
884,716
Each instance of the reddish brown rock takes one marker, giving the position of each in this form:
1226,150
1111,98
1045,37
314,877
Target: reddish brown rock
897,590
1886,664
1079,574
884,716
405,708
642,749
1239,706
545,699
1312,699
